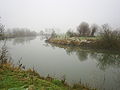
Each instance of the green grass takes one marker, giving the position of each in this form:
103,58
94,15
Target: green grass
17,79
14,78
84,38
80,38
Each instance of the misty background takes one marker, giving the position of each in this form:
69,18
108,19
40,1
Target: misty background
58,14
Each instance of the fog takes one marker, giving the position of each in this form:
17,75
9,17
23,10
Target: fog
61,14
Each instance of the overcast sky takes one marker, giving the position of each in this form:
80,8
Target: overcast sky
62,14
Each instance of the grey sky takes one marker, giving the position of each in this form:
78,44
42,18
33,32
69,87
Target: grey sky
63,14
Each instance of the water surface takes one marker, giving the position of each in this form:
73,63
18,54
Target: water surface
97,69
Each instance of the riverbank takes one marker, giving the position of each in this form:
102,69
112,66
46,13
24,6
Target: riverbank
15,78
96,43
74,41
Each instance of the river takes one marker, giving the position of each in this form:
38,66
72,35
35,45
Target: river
96,69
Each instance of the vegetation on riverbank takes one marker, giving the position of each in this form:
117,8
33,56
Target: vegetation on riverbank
14,78
107,39
74,41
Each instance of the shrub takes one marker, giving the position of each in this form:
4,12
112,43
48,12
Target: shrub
57,82
70,33
109,39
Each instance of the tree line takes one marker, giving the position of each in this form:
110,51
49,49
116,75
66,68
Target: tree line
19,32
15,32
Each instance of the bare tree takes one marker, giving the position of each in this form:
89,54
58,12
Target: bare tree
83,29
109,38
3,54
2,29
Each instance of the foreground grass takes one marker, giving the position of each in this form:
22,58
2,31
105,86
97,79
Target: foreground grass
14,78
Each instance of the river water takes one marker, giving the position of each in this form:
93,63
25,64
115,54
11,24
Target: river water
96,69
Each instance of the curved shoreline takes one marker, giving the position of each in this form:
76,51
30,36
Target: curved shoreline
93,44
17,78
73,42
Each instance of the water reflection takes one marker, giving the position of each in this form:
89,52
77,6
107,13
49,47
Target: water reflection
104,59
117,79
22,40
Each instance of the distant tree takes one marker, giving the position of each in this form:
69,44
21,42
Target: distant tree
83,29
94,28
41,32
20,32
53,34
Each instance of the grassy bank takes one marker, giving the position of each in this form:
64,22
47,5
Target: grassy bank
103,42
15,78
74,41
